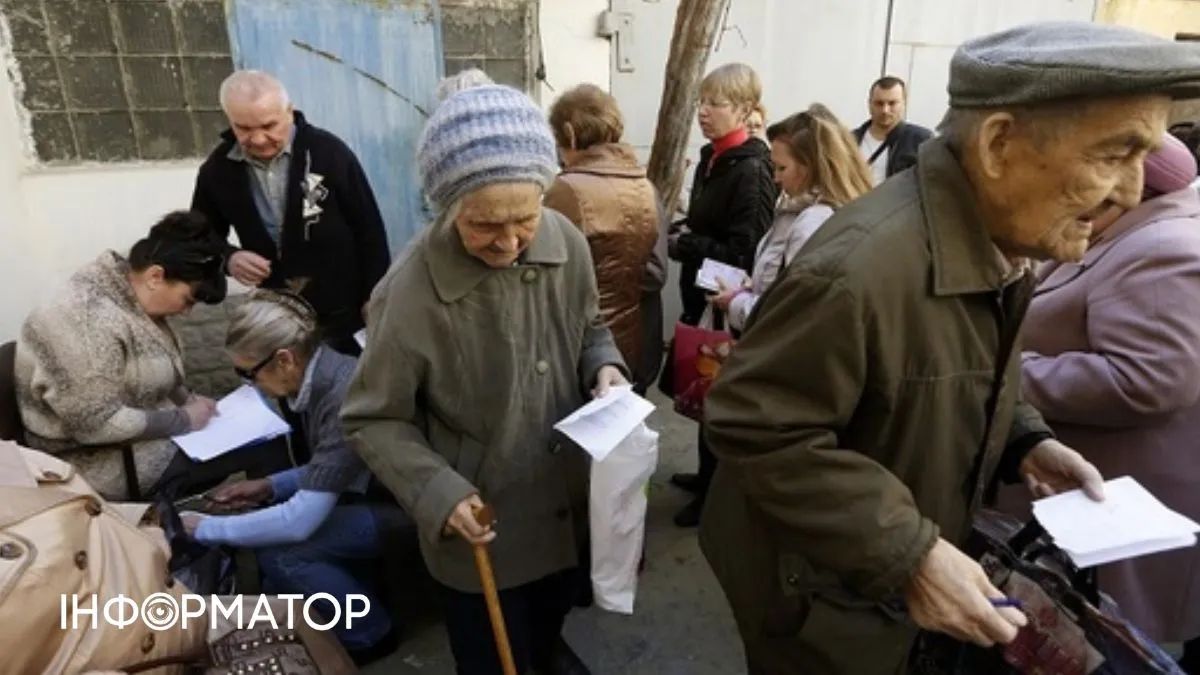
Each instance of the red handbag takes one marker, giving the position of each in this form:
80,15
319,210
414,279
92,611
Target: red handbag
696,357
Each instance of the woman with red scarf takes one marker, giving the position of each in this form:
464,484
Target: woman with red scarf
731,206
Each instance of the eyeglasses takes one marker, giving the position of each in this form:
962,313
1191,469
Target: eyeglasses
252,374
710,104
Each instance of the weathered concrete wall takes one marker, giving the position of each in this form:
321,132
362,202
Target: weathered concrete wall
202,334
1161,17
53,219
1167,18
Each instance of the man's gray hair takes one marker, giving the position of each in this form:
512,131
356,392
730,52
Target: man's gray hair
251,85
1045,121
464,79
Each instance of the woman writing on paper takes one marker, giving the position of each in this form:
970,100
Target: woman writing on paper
318,521
98,366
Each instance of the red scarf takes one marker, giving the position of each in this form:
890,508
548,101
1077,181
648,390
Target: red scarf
726,143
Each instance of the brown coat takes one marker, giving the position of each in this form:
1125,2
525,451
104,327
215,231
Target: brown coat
859,418
606,194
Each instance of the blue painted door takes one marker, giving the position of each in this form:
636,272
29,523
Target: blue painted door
365,70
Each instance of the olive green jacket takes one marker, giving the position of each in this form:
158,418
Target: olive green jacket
465,371
859,418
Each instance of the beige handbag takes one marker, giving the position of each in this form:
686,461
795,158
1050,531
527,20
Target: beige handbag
59,539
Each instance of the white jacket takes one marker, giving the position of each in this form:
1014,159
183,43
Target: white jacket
781,244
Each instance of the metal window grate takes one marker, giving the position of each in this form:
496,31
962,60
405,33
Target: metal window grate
118,80
498,37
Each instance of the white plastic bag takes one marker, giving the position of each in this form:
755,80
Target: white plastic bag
617,514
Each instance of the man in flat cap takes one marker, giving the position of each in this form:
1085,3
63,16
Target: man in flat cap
875,396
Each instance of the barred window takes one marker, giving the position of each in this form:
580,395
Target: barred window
496,37
117,80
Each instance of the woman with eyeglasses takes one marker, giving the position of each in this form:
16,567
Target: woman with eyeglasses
98,365
730,207
311,522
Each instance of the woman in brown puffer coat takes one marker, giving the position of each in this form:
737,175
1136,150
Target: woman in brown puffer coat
603,190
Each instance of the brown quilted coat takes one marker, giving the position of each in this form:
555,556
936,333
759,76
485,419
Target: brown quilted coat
606,193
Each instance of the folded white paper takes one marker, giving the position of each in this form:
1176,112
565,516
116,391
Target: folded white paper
1130,522
713,274
604,422
242,418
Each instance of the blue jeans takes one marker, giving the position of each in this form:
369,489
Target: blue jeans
321,565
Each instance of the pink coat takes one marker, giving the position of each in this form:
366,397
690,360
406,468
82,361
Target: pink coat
1112,361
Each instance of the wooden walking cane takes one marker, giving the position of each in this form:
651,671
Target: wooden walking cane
486,517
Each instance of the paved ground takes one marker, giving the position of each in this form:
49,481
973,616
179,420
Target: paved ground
681,625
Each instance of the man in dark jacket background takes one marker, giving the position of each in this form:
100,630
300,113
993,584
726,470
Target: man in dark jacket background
887,142
874,398
301,205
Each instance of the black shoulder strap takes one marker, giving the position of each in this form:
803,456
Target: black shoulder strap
879,151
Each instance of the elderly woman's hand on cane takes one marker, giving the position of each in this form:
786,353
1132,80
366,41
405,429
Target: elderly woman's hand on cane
472,520
463,523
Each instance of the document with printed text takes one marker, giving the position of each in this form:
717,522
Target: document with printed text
602,424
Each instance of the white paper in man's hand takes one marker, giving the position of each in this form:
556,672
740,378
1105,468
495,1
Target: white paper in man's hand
604,422
1130,522
242,418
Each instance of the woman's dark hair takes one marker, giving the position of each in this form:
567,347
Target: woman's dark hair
187,249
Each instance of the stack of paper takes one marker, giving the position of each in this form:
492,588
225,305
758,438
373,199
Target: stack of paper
242,418
713,275
602,424
1130,522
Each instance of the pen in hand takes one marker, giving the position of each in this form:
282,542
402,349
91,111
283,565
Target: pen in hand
1006,602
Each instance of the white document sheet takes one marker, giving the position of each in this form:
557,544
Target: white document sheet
713,273
361,338
242,417
602,424
1130,522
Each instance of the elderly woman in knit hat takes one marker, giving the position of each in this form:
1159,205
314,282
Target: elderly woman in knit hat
1112,362
481,336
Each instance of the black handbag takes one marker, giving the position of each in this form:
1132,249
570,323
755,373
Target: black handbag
1073,628
204,570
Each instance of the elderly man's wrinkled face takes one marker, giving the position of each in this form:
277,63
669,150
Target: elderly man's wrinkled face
262,126
1044,193
498,222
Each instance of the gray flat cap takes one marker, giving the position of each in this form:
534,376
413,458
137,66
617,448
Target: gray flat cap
1059,60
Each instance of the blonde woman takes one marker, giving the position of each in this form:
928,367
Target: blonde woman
733,193
730,207
756,122
819,170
